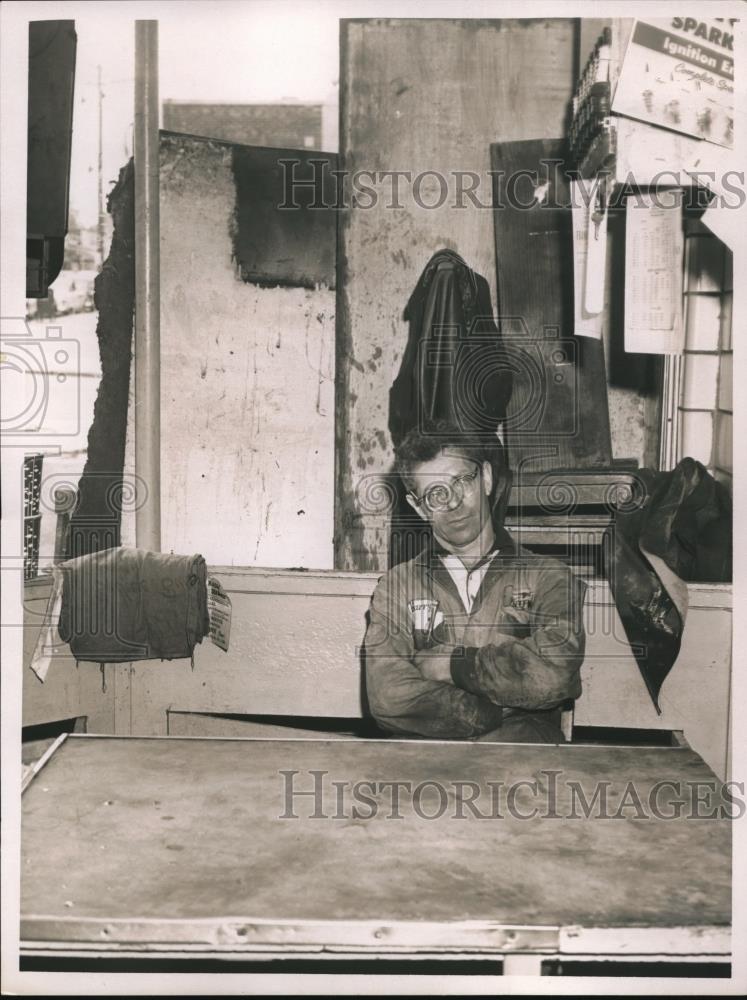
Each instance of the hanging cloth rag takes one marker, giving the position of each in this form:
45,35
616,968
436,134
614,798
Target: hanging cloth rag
126,604
454,366
678,528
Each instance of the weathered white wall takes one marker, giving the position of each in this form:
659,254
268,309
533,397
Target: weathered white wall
247,386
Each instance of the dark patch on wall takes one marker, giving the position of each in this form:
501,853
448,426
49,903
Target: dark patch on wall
96,521
285,227
558,416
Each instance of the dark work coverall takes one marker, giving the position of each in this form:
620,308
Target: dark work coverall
514,657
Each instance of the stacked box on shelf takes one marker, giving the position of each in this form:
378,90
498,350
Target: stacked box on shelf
590,125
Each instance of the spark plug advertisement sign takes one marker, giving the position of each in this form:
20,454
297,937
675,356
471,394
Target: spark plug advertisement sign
679,74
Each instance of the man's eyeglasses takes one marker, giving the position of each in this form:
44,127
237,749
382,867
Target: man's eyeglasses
442,495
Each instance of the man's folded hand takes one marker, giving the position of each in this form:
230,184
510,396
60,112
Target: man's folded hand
435,663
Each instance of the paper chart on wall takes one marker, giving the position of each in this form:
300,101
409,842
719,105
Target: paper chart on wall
654,247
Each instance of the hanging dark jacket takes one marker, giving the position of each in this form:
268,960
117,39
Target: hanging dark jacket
454,366
684,518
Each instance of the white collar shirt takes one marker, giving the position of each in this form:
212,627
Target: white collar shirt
467,581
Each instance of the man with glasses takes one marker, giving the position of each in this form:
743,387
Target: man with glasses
474,638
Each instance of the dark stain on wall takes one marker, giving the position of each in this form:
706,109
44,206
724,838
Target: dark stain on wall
96,521
285,226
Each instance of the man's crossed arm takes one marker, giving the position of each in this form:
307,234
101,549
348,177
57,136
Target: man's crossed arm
457,692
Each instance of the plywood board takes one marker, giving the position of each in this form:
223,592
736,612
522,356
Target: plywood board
154,839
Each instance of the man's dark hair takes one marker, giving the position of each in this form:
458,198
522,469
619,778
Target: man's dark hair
421,444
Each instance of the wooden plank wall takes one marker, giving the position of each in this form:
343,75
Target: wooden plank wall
420,96
295,651
71,690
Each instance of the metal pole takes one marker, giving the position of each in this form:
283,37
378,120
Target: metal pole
100,231
147,288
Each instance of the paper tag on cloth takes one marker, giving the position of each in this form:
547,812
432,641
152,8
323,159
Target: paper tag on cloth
422,614
219,612
522,600
49,640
